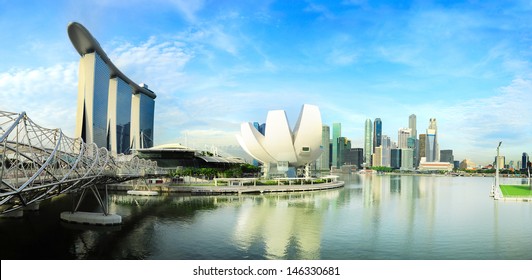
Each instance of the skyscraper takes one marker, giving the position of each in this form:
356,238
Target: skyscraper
413,144
431,144
344,145
406,159
112,112
337,133
377,133
354,156
500,162
412,125
447,156
368,148
386,151
395,158
422,146
402,137
377,157
324,159
524,160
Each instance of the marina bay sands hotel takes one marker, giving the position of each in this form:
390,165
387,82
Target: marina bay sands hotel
113,111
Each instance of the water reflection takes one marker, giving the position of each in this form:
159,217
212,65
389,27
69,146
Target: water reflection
372,217
290,225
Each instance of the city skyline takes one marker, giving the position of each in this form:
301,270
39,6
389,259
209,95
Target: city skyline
467,65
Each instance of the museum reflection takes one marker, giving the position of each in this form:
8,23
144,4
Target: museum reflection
292,225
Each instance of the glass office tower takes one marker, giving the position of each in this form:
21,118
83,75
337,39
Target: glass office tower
336,133
368,143
377,133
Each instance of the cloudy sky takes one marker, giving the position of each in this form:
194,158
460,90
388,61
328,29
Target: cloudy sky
215,64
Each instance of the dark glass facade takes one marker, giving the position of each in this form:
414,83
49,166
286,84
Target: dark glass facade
123,117
100,102
147,108
343,146
354,156
377,133
447,156
395,161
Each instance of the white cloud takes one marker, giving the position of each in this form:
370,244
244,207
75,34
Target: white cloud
476,126
188,8
47,95
156,62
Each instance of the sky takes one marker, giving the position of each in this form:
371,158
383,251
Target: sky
215,64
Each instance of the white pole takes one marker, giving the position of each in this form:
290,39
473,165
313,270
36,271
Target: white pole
497,169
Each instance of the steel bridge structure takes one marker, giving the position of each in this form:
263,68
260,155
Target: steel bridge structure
38,163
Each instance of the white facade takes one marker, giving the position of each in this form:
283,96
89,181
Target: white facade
279,146
402,137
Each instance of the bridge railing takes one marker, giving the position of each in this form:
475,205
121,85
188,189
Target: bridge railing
37,163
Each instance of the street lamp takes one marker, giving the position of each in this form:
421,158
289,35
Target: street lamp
496,187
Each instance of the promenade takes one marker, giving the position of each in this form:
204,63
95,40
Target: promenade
221,190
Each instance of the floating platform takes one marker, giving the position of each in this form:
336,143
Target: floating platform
91,218
143,193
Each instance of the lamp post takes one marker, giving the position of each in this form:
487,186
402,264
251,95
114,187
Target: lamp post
496,187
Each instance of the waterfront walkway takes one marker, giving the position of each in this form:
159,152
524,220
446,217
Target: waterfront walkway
220,190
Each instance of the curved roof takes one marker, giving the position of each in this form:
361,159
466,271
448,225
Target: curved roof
171,146
220,159
85,43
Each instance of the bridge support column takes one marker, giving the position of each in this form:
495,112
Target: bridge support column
143,189
33,207
92,218
13,214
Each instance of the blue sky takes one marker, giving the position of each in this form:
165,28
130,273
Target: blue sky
215,64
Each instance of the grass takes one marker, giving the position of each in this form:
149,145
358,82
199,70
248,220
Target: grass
516,190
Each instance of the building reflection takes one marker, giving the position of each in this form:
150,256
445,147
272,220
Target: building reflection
290,225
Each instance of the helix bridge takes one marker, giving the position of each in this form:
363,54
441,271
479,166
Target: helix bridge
38,163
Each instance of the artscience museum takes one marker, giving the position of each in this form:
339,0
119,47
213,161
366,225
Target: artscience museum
280,149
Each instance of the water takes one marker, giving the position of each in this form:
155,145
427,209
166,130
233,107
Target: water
373,217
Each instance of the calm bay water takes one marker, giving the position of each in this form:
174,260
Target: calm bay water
372,217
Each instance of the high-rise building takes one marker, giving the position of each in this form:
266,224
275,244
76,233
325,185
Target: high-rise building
344,145
432,153
447,156
412,125
262,129
386,151
500,162
395,158
336,133
402,137
413,144
354,156
368,143
422,146
407,157
377,157
524,160
324,159
377,133
112,112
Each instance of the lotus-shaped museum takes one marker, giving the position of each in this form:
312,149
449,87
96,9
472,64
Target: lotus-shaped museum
279,147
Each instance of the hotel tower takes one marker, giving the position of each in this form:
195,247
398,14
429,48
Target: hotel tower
113,111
